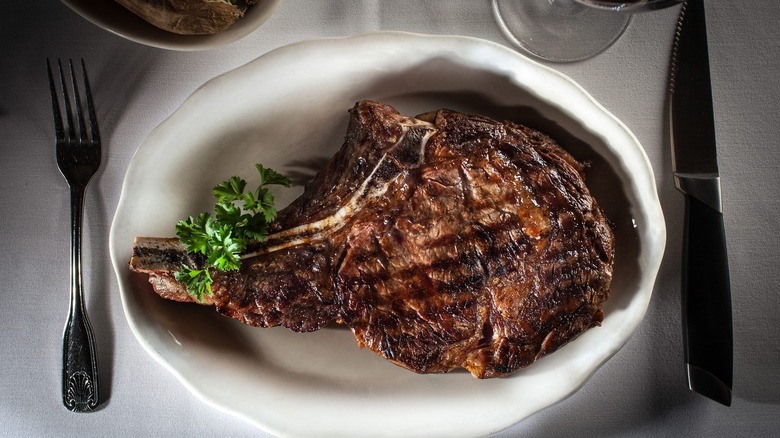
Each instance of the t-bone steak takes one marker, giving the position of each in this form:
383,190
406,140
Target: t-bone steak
443,241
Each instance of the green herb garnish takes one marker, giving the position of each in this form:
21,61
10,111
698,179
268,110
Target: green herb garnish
240,217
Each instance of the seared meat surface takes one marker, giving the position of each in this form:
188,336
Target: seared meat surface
443,241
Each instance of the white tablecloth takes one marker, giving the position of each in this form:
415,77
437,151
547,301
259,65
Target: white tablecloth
640,392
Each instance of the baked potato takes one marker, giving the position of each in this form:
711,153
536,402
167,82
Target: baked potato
189,17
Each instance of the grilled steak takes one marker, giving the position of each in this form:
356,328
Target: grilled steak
443,241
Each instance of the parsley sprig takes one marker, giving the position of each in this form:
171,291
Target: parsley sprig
240,216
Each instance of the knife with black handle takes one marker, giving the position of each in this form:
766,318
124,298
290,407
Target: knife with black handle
706,291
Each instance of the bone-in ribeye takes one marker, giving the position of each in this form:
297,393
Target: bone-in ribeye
443,241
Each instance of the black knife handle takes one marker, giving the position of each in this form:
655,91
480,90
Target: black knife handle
706,302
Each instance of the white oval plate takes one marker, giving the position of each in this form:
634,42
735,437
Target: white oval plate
288,110
114,18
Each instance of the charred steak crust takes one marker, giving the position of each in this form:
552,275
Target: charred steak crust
444,241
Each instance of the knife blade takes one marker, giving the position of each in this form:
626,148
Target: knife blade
706,290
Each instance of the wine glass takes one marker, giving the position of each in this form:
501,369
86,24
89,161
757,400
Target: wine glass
568,30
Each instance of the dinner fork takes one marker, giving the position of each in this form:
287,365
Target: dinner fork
78,158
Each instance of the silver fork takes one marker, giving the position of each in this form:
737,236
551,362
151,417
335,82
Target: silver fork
78,158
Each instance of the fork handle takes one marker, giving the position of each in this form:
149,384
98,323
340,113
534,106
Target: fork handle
79,361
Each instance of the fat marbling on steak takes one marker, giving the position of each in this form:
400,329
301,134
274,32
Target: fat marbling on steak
445,240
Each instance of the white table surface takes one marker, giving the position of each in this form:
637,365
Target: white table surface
641,391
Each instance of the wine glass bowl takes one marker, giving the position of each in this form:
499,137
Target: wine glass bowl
568,30
631,5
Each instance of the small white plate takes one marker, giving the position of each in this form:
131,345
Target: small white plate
114,18
288,110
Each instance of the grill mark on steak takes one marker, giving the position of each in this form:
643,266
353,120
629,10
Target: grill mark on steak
444,241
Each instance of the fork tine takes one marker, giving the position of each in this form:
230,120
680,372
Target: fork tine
68,114
55,103
77,102
93,126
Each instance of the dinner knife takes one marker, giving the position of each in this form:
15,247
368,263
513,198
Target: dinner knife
706,291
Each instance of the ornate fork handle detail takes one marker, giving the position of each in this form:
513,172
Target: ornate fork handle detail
80,395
